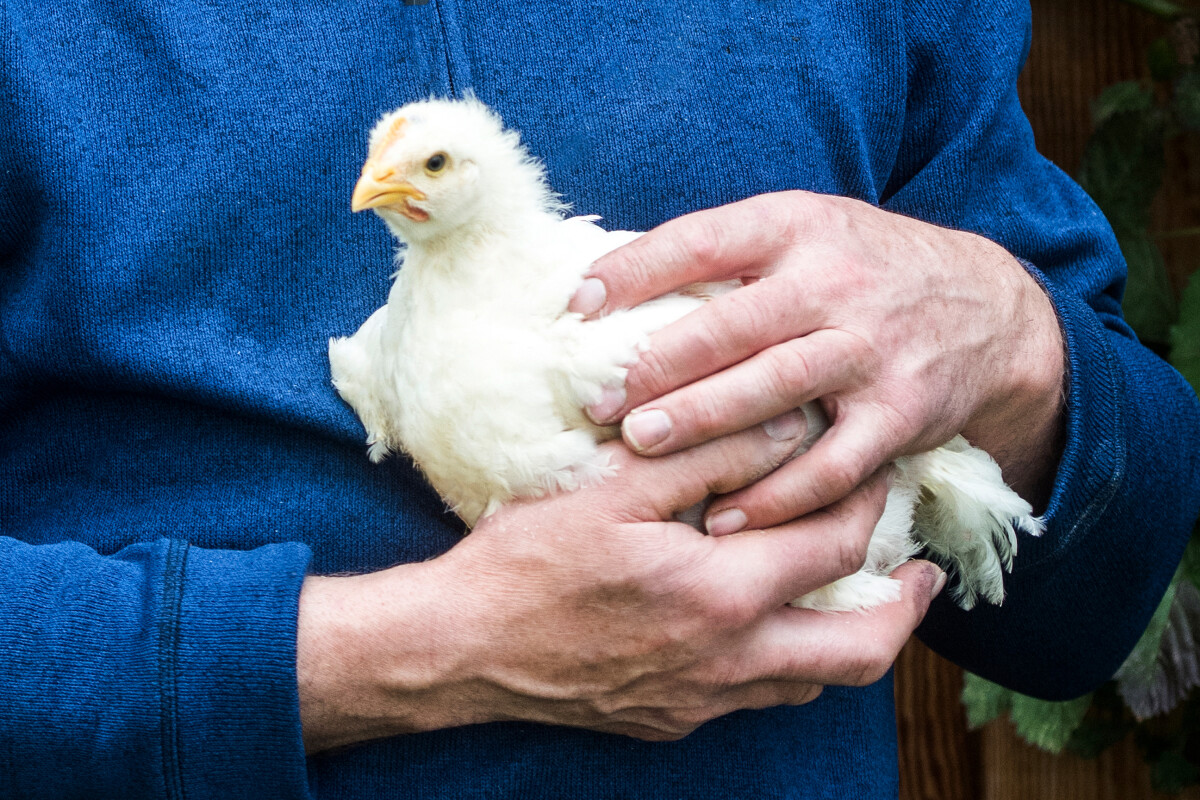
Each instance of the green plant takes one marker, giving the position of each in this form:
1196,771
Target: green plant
1155,696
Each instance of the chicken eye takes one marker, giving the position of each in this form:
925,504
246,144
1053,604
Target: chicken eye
436,162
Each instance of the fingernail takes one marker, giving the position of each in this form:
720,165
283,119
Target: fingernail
786,426
644,429
731,520
612,398
589,297
938,582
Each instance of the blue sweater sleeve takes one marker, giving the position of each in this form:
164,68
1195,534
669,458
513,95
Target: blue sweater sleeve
1127,489
165,670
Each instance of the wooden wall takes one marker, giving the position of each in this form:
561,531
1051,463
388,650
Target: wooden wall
1079,47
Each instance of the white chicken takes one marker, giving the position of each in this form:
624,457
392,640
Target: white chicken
476,369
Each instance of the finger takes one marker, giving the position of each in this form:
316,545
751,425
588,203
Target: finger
768,694
777,565
838,462
849,648
711,245
668,485
723,332
779,378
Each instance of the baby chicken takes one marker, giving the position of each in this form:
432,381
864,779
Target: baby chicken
476,369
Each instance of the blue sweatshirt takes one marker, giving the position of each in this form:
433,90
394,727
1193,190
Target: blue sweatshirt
176,247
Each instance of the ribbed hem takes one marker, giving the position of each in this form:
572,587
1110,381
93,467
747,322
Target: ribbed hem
1093,461
231,724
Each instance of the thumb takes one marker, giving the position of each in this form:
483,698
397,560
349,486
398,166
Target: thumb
710,245
848,648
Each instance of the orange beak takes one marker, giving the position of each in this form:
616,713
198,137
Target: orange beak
379,188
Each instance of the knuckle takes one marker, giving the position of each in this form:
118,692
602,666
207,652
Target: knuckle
672,724
734,610
860,674
675,574
876,496
866,352
797,693
703,413
741,319
899,418
776,502
780,692
844,471
629,266
873,661
770,500
814,215
851,552
794,216
786,369
861,514
874,673
733,464
808,693
747,320
652,373
647,734
702,239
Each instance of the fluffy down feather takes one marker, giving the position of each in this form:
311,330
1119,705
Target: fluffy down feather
476,369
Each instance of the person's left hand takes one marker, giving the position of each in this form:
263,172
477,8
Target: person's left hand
905,332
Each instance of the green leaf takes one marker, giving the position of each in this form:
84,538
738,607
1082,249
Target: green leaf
1172,773
1186,100
1149,302
1047,724
1107,722
1094,736
984,700
1189,568
1122,165
1120,98
1185,335
1161,58
1141,662
1160,8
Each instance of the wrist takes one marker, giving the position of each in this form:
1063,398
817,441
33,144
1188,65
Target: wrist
1021,423
375,658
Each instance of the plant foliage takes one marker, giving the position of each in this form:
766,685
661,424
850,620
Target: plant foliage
1154,697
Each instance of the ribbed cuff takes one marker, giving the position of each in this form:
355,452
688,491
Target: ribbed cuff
227,671
1094,453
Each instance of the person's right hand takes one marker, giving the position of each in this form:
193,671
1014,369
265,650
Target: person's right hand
592,609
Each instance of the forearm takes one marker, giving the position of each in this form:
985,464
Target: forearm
590,609
375,658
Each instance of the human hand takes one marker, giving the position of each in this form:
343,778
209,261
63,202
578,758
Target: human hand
593,609
905,332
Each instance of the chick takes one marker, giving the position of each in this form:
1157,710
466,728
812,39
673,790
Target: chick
476,369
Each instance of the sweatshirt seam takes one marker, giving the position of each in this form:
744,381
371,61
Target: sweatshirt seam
437,6
1116,475
168,667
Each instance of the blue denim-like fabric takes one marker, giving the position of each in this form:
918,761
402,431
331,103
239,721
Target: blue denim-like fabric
176,248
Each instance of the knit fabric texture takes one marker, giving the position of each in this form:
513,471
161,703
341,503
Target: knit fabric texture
176,248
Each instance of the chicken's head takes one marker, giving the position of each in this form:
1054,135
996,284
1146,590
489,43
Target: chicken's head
436,167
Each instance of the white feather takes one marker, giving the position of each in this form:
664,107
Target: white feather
476,369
